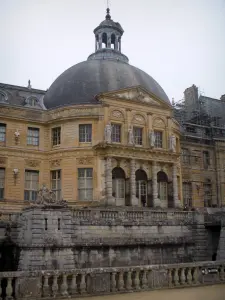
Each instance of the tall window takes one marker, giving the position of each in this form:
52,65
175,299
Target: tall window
187,193
85,133
163,191
85,184
116,133
56,183
56,136
137,135
2,132
206,159
31,185
185,156
207,187
33,136
158,139
2,182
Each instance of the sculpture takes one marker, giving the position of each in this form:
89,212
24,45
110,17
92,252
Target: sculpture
152,138
130,136
46,196
108,133
173,143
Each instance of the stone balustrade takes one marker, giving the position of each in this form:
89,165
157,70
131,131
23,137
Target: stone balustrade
97,281
151,217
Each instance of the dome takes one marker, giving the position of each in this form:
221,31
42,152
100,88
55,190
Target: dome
82,82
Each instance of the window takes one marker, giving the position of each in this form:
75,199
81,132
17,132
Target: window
187,194
2,182
31,101
31,185
185,156
56,136
118,188
33,136
56,183
162,190
2,132
116,133
207,194
85,184
85,133
206,159
158,139
137,135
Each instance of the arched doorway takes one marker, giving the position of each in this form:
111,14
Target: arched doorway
141,186
118,185
162,180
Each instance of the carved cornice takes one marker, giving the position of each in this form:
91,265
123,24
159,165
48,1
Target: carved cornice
55,163
88,160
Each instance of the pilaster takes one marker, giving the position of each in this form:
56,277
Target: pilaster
133,199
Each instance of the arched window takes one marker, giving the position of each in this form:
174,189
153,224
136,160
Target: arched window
113,41
162,186
32,101
118,179
141,186
104,40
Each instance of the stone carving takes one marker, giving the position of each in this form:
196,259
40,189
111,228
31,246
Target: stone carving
47,197
137,95
108,133
130,136
17,134
85,160
139,119
32,163
152,138
55,163
117,114
159,123
2,160
173,143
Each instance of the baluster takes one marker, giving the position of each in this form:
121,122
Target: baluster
170,278
182,276
195,275
189,276
129,281
222,274
73,286
83,284
9,289
121,282
46,288
55,286
144,280
137,280
64,286
176,277
113,282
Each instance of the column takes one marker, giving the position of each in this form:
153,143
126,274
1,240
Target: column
176,201
156,200
108,181
116,43
133,199
100,41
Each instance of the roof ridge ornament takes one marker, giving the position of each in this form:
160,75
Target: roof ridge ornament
108,17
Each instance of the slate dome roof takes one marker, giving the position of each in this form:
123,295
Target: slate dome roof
83,81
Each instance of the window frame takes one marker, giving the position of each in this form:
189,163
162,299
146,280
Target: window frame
156,132
56,138
87,136
116,137
2,184
32,137
58,183
206,159
86,189
31,192
2,132
186,156
138,138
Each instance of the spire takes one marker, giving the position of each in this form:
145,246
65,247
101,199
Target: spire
108,17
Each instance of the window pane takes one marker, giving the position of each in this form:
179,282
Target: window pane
158,139
56,136
137,135
33,136
31,185
2,132
116,133
85,133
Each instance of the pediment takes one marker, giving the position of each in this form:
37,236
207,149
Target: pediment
137,94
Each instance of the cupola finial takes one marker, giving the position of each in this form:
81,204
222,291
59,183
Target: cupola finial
108,17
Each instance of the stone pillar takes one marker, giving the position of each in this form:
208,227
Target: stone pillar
108,181
133,199
156,200
116,43
100,41
176,201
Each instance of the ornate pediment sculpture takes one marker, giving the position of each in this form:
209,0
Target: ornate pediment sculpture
47,197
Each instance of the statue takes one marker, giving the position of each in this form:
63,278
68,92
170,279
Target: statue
173,143
130,136
46,196
108,133
152,138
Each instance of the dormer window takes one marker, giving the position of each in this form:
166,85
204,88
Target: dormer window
3,97
32,101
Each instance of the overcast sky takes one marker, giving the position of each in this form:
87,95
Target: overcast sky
178,42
